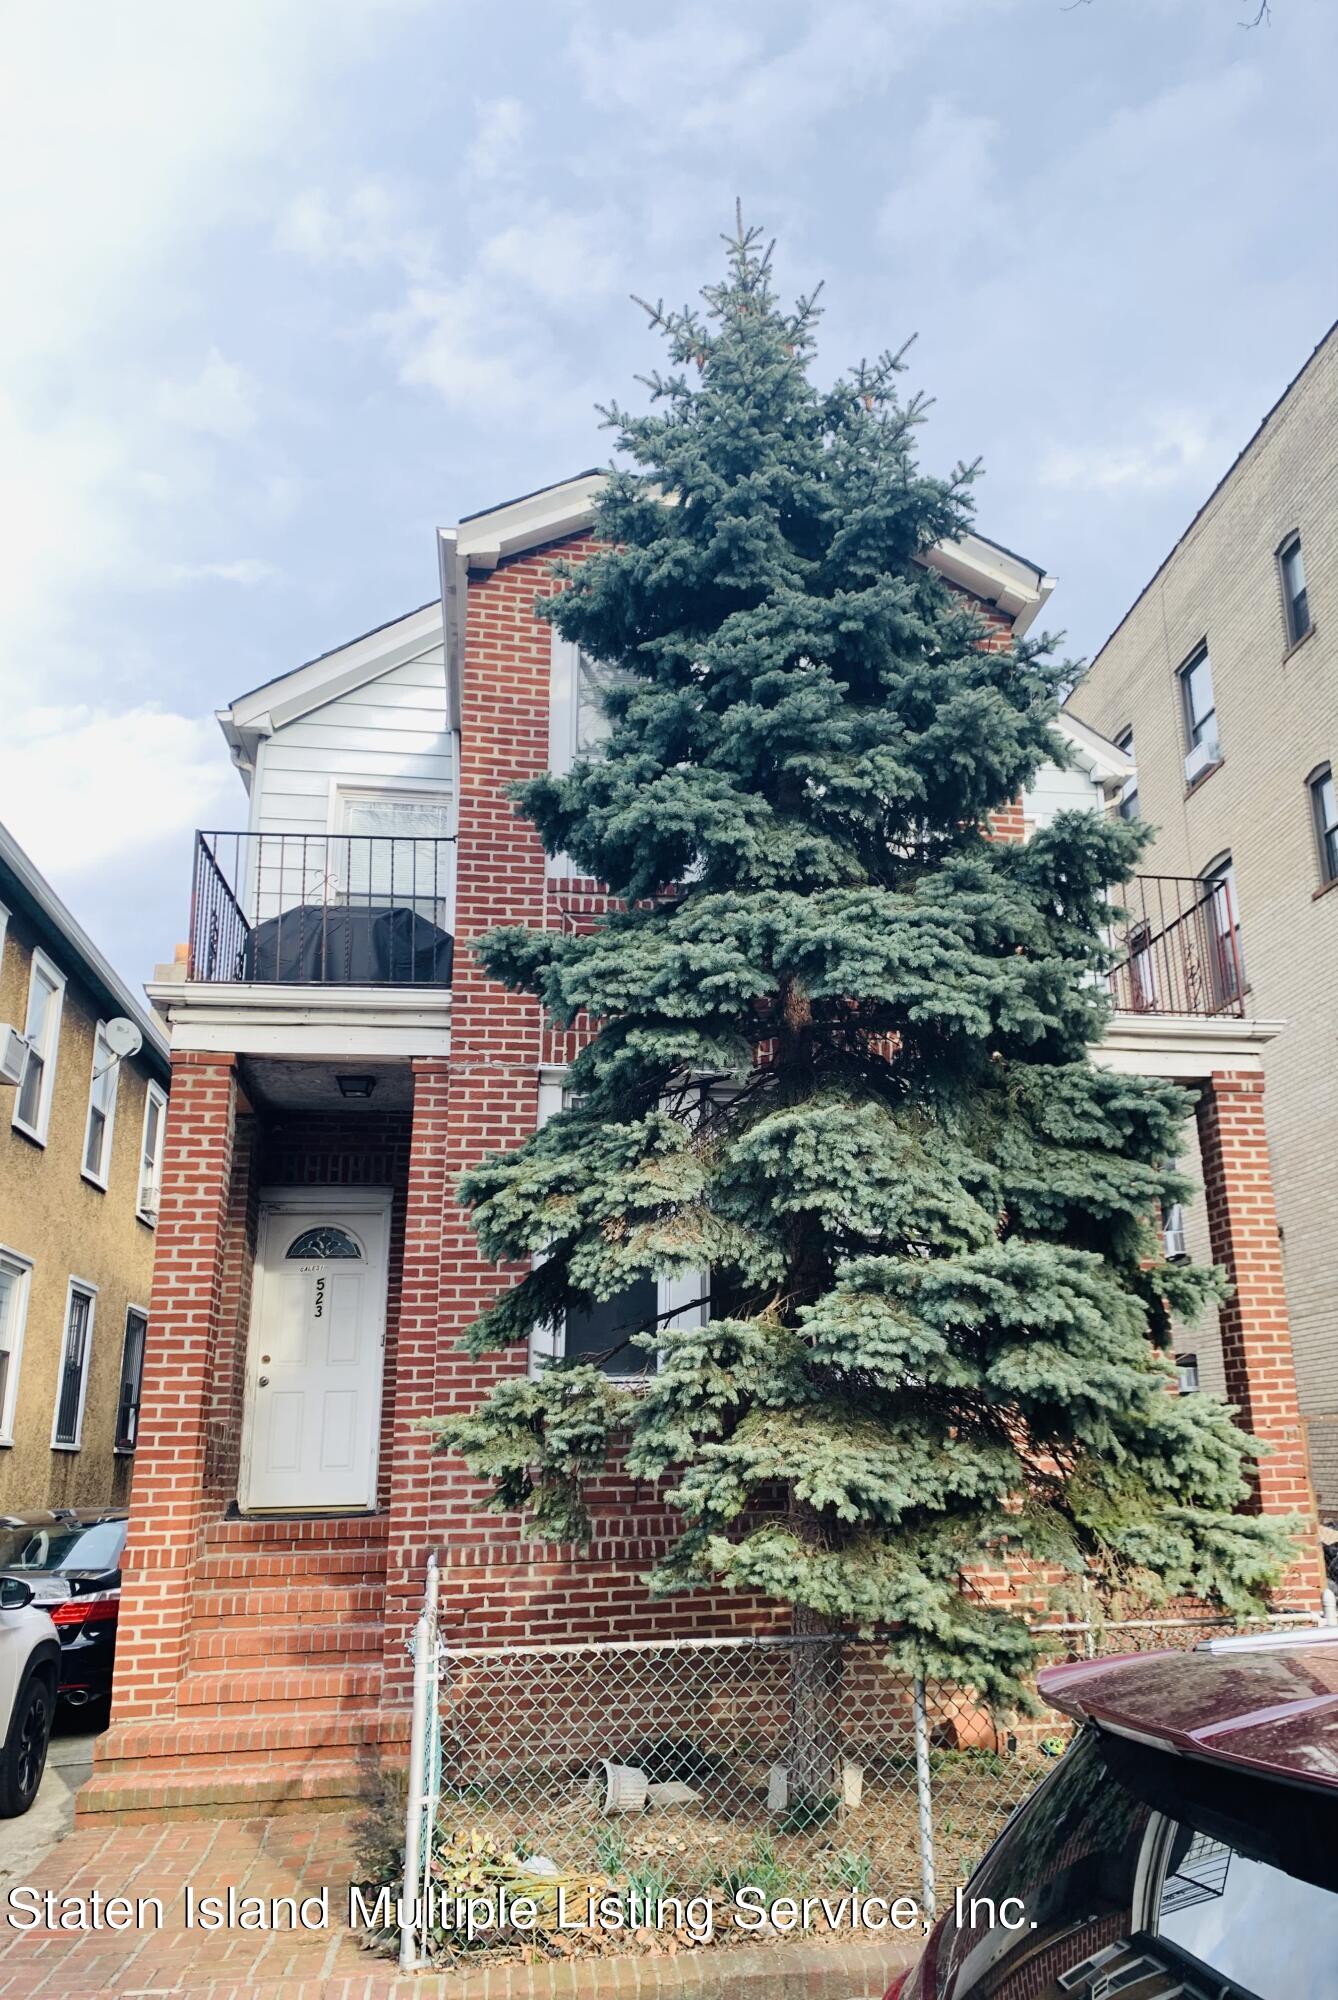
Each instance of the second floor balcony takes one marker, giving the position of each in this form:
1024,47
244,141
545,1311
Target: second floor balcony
1178,948
343,909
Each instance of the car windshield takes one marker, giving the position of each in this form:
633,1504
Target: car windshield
1145,1875
63,1545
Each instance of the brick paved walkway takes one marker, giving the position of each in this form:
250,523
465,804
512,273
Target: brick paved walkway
300,1856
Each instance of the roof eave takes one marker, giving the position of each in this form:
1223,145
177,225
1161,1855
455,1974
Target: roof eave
28,887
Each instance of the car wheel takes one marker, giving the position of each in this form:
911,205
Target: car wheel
24,1756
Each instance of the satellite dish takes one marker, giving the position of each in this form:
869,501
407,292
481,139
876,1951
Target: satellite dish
123,1037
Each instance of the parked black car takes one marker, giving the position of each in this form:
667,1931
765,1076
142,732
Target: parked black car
71,1558
1185,1847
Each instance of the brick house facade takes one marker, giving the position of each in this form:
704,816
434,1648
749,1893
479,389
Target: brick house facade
263,1653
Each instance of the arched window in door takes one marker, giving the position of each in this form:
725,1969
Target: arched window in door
325,1241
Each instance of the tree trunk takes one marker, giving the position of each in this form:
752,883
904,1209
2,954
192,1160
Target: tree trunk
815,1720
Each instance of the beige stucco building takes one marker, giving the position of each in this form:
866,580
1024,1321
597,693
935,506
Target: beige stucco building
81,1135
1223,680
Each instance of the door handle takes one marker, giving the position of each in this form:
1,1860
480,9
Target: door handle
264,1381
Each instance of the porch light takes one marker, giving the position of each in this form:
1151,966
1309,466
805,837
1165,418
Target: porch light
356,1086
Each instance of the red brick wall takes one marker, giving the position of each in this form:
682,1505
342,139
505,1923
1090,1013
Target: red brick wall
1256,1336
188,1325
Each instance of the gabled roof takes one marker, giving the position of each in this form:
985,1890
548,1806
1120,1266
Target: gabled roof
26,889
251,717
987,569
482,540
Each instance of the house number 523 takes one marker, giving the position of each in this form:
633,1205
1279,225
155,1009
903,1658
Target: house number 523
320,1297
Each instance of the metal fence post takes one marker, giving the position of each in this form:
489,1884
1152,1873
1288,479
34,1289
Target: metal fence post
422,1766
924,1798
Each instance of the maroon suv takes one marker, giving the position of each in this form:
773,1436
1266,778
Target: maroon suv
1186,1845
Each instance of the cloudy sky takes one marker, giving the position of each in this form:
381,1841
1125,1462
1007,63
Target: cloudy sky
289,282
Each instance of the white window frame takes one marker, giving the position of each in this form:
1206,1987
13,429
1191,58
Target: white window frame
687,1292
153,1094
46,968
90,1292
21,1269
434,791
4,930
110,1067
128,1450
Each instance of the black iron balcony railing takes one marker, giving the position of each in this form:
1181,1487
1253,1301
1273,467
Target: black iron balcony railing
350,909
1178,948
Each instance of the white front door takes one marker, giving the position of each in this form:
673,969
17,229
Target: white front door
313,1386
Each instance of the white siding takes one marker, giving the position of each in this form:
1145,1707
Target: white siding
1060,791
391,728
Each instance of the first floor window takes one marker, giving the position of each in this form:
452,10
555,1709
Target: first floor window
101,1109
151,1154
46,996
132,1377
14,1275
1187,1373
1325,808
72,1385
601,1331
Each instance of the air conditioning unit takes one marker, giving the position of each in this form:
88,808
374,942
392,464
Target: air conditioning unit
13,1055
1173,1235
1203,757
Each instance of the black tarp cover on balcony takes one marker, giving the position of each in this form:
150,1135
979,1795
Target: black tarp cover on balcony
316,944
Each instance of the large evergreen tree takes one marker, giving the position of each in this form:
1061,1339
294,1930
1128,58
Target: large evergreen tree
841,1059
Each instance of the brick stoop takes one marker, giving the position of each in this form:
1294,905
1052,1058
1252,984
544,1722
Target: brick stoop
279,1708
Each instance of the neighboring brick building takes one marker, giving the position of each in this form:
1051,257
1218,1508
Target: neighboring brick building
332,1076
81,1138
1224,673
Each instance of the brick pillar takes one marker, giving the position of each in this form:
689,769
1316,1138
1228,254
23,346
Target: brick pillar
1256,1336
187,1342
417,1355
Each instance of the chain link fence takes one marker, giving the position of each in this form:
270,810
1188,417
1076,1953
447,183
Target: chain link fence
691,1766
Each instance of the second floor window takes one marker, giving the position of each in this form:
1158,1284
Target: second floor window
1324,805
101,1110
578,724
1196,692
1295,597
1129,795
46,996
1226,967
151,1154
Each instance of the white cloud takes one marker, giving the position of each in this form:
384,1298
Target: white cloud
245,570
82,786
496,150
219,399
705,77
945,199
1175,448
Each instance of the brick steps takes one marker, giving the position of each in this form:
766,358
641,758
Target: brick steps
224,1790
265,1639
279,1531
315,1604
330,1566
232,1691
253,1739
278,1709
